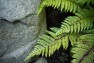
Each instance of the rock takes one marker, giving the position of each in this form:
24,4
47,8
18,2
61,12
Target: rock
19,29
41,60
12,10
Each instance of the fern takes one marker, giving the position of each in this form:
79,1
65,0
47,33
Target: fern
89,31
77,29
84,49
73,38
67,5
85,1
83,20
48,44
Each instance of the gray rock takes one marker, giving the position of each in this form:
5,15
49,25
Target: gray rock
20,28
12,10
41,60
17,40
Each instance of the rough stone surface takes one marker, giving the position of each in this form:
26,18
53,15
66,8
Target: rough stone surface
41,60
12,10
20,28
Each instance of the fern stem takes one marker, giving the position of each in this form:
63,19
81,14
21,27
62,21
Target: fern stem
86,54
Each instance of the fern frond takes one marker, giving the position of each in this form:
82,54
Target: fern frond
65,42
54,29
73,38
89,31
42,46
85,1
83,52
85,13
82,21
67,5
52,32
48,44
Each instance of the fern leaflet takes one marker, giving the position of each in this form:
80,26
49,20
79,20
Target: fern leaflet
85,1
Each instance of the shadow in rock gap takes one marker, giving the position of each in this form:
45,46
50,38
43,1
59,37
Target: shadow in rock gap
54,17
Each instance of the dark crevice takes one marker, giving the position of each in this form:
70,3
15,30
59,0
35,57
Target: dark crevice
54,17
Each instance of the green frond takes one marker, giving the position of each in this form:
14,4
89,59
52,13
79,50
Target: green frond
65,42
82,21
52,32
48,44
85,13
54,29
85,1
83,52
42,46
67,5
89,31
73,38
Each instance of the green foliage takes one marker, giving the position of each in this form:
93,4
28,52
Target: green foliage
77,29
85,1
67,5
47,45
83,52
81,21
89,31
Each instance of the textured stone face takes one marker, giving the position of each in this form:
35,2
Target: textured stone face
20,28
16,9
